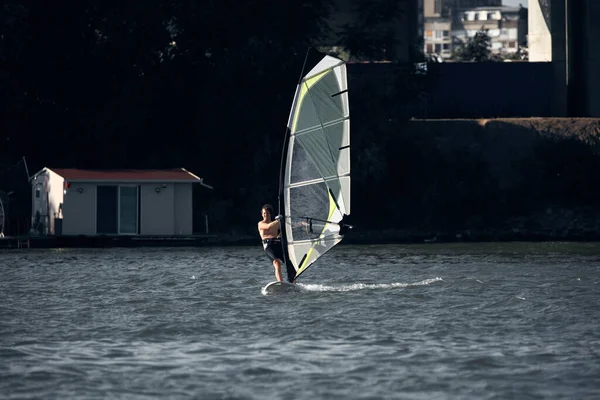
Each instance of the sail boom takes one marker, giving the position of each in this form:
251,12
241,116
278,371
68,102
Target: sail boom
316,220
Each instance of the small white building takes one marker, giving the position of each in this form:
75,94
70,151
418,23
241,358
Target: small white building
113,202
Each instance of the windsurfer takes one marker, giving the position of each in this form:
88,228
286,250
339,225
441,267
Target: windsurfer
270,234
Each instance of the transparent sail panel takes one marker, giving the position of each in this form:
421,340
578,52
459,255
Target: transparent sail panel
306,202
302,168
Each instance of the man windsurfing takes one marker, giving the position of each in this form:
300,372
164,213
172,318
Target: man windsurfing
270,234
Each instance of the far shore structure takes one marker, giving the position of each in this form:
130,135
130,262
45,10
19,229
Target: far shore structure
113,202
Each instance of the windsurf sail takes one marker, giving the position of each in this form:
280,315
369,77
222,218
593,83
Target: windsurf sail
315,182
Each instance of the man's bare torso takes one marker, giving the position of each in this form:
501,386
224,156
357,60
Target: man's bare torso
268,230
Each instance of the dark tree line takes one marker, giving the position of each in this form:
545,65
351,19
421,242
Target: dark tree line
207,85
204,85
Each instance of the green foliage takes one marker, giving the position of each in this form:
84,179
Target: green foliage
477,48
522,54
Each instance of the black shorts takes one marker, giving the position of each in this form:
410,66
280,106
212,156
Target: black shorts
273,249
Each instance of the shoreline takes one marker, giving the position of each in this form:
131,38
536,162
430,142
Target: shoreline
372,237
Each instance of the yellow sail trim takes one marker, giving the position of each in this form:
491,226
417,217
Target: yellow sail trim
305,86
305,264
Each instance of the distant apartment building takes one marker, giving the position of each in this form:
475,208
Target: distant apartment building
448,23
438,37
438,26
506,26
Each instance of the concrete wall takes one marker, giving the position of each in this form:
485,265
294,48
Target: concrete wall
55,198
50,187
429,9
167,211
485,180
490,90
183,209
567,33
559,56
157,214
79,210
590,55
540,38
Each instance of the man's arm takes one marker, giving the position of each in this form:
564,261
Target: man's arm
270,224
267,228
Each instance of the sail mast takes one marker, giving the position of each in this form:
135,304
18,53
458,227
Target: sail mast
290,270
285,140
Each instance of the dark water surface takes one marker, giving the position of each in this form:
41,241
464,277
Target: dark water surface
461,321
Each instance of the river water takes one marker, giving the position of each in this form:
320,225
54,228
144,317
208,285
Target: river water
432,321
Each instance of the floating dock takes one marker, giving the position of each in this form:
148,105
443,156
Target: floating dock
63,241
14,242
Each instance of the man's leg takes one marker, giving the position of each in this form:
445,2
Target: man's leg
277,265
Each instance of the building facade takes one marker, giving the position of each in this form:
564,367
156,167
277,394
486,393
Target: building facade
506,26
450,23
438,37
126,202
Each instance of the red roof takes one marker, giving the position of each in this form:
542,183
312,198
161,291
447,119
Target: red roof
162,175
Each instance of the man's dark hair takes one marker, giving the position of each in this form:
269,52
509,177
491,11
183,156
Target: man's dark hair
269,209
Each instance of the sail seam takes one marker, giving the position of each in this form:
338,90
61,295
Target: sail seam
316,128
331,68
315,181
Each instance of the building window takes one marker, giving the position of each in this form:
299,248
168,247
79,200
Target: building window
438,48
429,48
107,209
512,44
128,210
